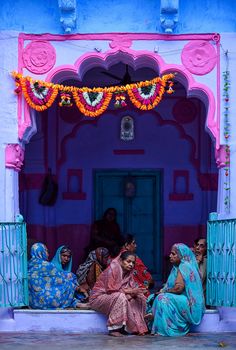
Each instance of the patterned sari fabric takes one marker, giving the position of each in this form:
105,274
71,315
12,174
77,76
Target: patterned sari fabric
174,313
49,288
67,268
109,298
89,271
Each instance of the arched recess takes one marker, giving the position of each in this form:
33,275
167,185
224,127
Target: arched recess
136,60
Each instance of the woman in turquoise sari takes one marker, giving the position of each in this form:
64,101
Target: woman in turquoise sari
63,259
49,288
180,303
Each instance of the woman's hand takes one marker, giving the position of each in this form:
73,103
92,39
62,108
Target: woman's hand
133,292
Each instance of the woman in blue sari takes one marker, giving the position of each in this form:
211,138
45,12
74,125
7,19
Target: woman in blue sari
63,259
49,288
180,303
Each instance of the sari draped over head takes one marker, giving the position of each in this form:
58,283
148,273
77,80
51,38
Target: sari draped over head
109,298
56,260
49,288
142,276
174,313
97,256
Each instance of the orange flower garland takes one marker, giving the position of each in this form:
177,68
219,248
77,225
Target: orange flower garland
87,109
145,95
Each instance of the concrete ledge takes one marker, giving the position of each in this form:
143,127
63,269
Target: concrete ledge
91,322
210,322
67,321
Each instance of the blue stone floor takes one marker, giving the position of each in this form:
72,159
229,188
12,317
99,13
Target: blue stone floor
65,341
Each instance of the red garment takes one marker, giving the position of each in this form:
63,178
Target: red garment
141,274
109,298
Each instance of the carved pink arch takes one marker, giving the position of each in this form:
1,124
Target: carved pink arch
140,59
137,59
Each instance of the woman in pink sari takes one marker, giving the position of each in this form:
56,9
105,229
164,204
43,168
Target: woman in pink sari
115,294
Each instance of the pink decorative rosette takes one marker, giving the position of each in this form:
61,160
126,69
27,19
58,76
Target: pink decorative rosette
39,57
199,57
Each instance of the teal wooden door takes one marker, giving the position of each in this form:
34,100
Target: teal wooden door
139,213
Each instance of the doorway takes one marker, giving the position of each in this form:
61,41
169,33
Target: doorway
137,197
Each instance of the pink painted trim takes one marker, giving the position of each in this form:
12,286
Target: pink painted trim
218,93
117,36
128,151
90,60
67,68
14,156
74,196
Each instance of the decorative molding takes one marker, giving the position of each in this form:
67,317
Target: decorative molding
68,15
14,156
199,57
169,15
74,193
176,195
136,60
120,42
184,111
39,57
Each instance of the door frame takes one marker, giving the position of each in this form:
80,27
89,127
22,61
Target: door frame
158,237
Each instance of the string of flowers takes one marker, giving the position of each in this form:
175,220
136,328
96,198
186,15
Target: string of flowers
226,89
92,102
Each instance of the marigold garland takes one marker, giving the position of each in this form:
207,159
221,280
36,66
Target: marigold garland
92,102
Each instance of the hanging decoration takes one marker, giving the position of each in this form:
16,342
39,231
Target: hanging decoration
65,100
120,100
92,102
226,77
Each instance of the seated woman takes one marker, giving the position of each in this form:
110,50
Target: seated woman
142,276
49,288
106,233
63,259
201,257
180,303
88,272
115,295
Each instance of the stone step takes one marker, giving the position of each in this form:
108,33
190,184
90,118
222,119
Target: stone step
88,321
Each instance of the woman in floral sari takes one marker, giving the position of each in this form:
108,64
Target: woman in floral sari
49,288
181,302
115,295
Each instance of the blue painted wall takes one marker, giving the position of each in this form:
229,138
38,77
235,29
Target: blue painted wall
195,16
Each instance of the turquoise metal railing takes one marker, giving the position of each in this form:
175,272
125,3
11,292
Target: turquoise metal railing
221,262
13,265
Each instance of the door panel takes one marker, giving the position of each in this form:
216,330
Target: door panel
139,215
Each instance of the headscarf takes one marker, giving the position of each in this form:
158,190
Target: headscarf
192,280
98,255
57,259
112,280
38,252
49,288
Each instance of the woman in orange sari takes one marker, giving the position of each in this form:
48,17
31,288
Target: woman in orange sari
116,296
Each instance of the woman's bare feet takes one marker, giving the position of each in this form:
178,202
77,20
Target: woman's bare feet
115,334
83,306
